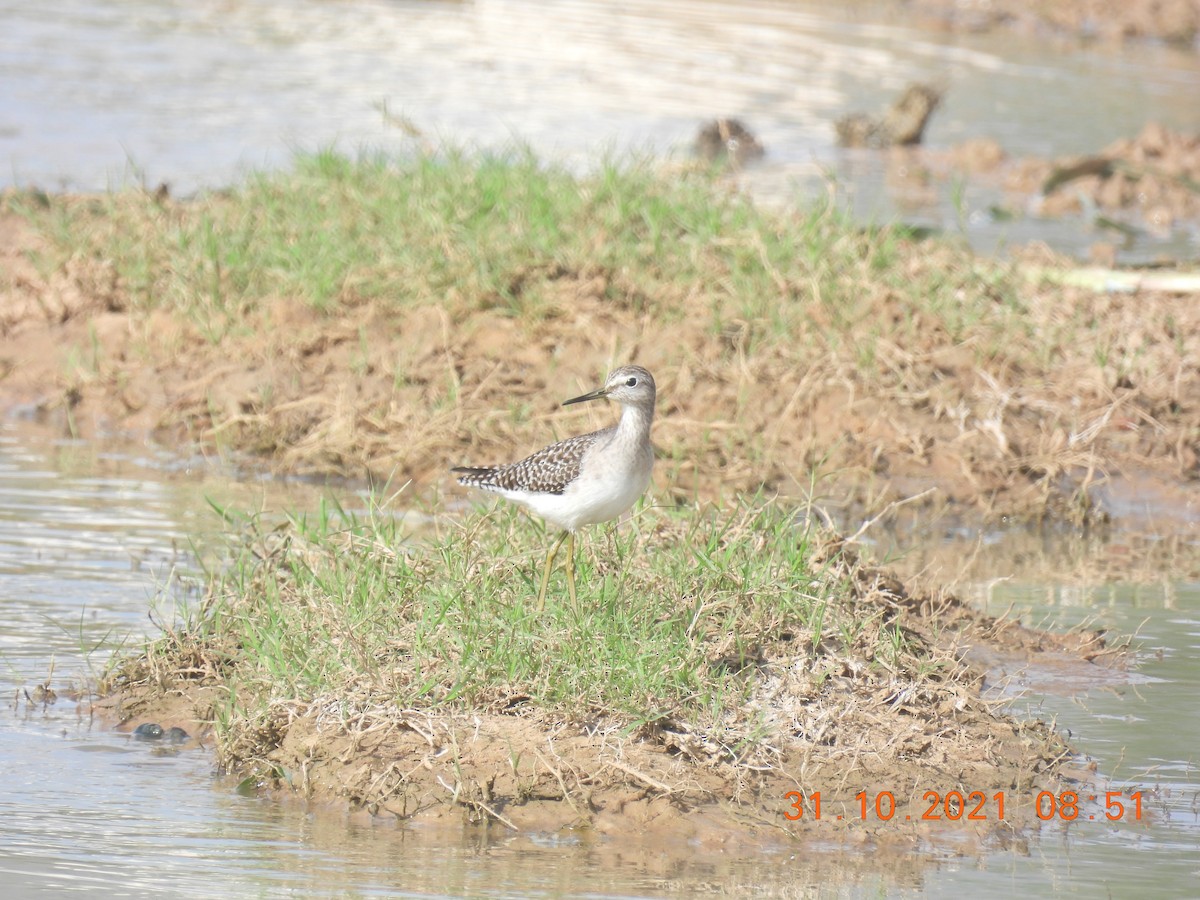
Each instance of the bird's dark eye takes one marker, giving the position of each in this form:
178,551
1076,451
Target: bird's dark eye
632,382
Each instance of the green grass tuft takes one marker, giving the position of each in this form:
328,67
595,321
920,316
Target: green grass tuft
673,607
468,232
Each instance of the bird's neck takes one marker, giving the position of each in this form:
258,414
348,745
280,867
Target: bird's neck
635,422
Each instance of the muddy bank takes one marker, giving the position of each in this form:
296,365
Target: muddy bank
1010,395
1176,21
836,720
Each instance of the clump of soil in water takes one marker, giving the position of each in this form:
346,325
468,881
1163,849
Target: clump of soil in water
1156,174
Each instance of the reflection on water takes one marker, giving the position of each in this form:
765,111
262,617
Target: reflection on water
1138,726
1142,732
195,93
87,538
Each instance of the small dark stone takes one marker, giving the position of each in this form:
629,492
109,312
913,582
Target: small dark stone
727,139
177,735
148,731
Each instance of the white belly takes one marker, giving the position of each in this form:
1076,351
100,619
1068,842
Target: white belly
591,498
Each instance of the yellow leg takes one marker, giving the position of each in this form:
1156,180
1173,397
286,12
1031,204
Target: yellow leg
571,569
546,570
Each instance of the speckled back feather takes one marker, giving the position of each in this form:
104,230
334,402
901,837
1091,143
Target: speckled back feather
548,471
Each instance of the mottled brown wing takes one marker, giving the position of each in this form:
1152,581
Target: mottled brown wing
548,471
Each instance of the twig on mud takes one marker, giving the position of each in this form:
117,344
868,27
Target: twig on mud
1065,754
561,782
495,815
644,779
225,424
1087,435
1000,622
374,789
455,797
483,382
456,791
748,814
852,767
407,722
895,504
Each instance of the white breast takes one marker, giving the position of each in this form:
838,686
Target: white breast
600,493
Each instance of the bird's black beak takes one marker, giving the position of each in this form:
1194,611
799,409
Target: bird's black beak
591,395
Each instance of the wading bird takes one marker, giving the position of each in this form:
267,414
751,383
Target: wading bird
583,480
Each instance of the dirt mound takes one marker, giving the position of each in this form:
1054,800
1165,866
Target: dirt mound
891,750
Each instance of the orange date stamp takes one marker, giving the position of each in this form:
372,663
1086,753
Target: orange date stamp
973,806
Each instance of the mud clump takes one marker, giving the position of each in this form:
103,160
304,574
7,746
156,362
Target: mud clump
902,125
728,140
1156,174
788,346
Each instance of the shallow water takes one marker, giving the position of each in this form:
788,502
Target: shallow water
88,539
99,94
1141,730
